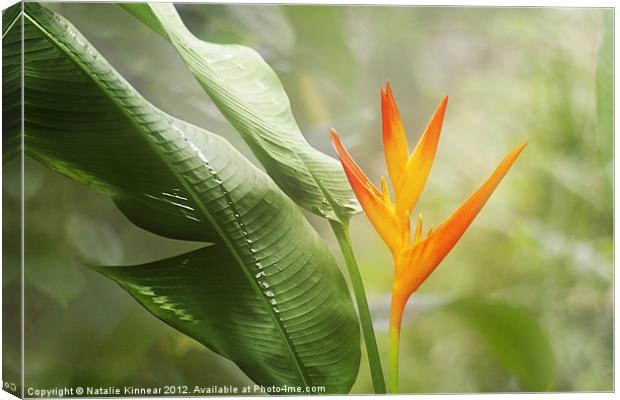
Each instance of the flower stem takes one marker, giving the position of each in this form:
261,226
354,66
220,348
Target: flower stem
396,316
342,234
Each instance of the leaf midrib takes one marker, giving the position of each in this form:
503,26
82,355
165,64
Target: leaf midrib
195,197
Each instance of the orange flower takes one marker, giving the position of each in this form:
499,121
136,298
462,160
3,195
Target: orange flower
414,260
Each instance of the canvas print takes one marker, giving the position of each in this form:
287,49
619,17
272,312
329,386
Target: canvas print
232,199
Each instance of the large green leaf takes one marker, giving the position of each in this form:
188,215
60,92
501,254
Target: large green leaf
267,293
251,97
187,290
514,336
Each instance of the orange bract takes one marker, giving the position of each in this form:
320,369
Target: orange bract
377,204
414,260
394,140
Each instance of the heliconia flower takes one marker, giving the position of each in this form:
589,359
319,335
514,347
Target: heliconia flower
414,258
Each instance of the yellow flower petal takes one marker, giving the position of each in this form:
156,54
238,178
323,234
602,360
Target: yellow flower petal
418,231
395,145
413,178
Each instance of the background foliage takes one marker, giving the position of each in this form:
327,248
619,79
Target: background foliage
540,251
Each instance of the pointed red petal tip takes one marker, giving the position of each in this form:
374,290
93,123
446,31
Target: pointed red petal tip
333,135
351,168
512,156
386,93
395,146
441,110
336,142
443,105
390,97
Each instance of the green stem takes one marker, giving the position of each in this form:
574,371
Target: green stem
393,360
342,234
396,316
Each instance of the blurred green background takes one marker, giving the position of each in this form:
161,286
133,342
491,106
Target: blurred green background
523,302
